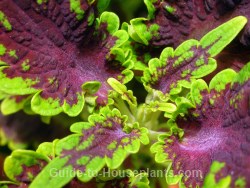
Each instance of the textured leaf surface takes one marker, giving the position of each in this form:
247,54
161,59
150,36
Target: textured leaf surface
218,130
54,47
106,139
192,59
184,19
24,165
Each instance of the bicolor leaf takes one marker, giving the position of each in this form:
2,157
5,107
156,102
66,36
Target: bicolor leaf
105,139
24,165
176,69
217,130
180,20
57,52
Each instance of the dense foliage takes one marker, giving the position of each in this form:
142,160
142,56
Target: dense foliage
100,93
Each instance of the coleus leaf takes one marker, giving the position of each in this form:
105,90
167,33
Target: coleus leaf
180,20
56,52
48,149
19,130
217,130
120,91
139,180
12,104
105,139
192,59
210,180
102,5
24,165
140,32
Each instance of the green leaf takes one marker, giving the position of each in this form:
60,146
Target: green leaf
5,22
55,174
102,5
160,156
122,92
150,7
140,32
216,40
173,179
47,149
122,37
161,106
51,107
110,20
218,83
91,87
183,105
13,104
139,180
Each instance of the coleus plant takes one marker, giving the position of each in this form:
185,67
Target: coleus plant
71,57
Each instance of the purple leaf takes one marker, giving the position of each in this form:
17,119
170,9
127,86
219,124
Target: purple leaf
183,19
20,129
52,49
217,130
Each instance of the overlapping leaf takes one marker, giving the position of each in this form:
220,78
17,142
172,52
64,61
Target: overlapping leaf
180,20
24,165
192,59
57,52
170,23
105,139
19,130
218,129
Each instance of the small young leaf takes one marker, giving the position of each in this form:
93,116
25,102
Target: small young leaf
122,92
140,32
111,22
